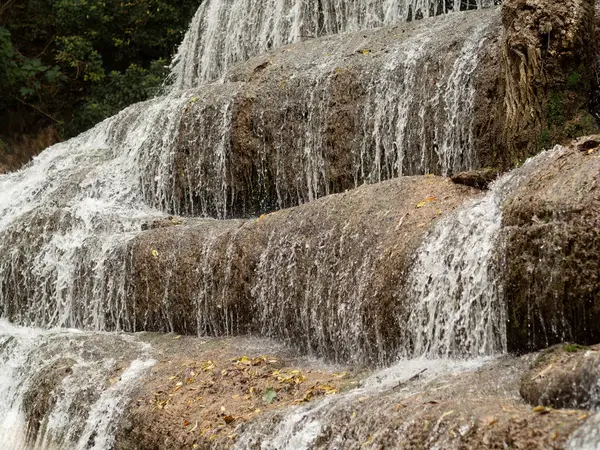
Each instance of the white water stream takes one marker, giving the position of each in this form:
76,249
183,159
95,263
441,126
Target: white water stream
66,219
80,410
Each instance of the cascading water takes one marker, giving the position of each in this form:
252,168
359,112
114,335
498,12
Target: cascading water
299,429
79,410
67,220
377,105
224,32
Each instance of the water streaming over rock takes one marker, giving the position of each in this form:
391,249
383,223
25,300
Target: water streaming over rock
68,220
305,124
65,389
224,32
301,427
459,307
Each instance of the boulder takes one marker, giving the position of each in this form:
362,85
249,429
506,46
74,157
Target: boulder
565,376
479,179
551,256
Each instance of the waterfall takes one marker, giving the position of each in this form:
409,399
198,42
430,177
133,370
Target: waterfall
222,145
459,309
224,32
68,219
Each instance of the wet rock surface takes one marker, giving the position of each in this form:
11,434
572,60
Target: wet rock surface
329,114
249,392
201,390
479,179
551,262
317,276
565,376
466,408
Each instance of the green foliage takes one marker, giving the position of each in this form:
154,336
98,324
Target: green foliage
270,395
545,140
78,54
573,80
119,90
573,348
79,61
556,110
581,125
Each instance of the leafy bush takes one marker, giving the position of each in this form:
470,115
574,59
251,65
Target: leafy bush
72,63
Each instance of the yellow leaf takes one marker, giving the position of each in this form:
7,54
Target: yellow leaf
541,410
154,253
421,204
208,365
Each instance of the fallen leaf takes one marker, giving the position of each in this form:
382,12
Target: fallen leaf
228,419
541,410
489,421
154,253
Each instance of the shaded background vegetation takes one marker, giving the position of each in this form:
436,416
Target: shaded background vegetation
67,64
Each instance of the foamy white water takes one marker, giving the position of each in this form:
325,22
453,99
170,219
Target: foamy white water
224,32
65,389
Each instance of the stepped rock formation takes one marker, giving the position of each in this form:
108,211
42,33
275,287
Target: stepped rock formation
330,114
317,276
225,32
306,209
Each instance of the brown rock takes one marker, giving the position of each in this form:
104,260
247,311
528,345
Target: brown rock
566,376
324,277
552,258
479,179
